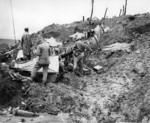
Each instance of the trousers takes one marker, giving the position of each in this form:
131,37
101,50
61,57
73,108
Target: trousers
37,66
78,60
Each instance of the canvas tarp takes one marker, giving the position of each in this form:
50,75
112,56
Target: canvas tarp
52,42
28,66
97,29
118,46
77,35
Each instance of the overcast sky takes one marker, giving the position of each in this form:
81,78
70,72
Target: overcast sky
36,14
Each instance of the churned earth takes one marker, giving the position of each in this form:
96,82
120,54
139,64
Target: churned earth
120,93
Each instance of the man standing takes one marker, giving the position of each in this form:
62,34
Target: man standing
26,44
43,53
78,55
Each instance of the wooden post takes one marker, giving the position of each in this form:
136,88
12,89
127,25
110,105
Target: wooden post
120,12
92,9
105,13
83,18
125,8
13,21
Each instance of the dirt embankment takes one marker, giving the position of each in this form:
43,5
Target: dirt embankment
119,94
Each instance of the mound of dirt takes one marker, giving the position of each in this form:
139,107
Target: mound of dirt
119,94
9,89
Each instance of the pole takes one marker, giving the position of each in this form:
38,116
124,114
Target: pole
13,21
92,9
83,18
125,8
120,12
105,13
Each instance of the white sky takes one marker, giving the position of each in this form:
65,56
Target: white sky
36,14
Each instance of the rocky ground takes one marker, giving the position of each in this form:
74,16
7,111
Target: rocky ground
120,93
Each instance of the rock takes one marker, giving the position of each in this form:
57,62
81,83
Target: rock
12,64
145,120
4,112
93,120
86,71
23,120
139,67
53,110
4,66
138,51
23,105
98,69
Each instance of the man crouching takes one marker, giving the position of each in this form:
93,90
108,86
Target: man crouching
79,50
43,53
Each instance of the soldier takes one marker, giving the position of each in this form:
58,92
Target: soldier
68,55
78,55
26,44
43,53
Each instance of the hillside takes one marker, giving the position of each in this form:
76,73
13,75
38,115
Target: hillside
5,43
9,41
118,94
61,32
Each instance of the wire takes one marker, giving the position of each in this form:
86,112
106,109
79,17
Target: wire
13,21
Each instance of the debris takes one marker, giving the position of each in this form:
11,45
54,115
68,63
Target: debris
3,112
13,78
9,52
53,112
118,46
52,42
103,93
18,112
107,29
4,66
12,64
138,51
17,76
77,35
23,105
86,71
98,69
29,88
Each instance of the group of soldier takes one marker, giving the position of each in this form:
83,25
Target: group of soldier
76,52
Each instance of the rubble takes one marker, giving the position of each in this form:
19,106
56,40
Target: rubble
18,112
98,69
118,46
86,71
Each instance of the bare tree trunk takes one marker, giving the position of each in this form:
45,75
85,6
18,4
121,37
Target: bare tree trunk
125,8
105,13
120,12
92,9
